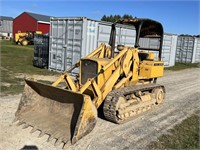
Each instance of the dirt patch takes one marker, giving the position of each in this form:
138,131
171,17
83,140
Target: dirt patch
51,78
3,69
182,100
5,84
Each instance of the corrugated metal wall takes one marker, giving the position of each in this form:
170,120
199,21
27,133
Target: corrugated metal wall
149,43
6,26
74,38
196,53
89,35
125,35
168,47
70,39
184,49
56,47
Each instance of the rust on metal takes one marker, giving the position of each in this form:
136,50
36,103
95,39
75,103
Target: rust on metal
56,112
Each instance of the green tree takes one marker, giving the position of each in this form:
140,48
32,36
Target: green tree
126,16
104,18
113,18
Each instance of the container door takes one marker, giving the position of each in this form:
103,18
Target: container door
57,42
127,36
73,42
166,48
104,34
169,49
197,54
90,31
184,51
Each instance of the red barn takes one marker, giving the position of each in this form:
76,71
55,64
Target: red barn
31,22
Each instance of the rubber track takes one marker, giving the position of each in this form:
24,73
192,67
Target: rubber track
113,97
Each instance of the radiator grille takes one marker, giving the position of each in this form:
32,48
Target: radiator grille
88,70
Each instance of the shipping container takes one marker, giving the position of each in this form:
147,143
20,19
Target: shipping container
74,38
196,53
185,48
149,43
168,47
41,50
125,35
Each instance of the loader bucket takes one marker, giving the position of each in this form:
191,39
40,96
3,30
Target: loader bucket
59,113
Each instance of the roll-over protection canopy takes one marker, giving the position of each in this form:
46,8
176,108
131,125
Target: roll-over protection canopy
146,28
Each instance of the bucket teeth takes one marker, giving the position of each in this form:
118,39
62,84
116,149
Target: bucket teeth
33,130
50,138
20,123
56,112
15,120
25,126
41,134
58,142
63,145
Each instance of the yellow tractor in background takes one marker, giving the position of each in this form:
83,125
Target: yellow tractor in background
26,38
120,78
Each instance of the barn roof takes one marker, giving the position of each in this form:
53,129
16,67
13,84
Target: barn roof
5,18
39,17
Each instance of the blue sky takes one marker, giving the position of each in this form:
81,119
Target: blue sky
179,17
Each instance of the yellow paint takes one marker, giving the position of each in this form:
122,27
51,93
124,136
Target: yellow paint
151,69
126,62
20,36
135,65
127,67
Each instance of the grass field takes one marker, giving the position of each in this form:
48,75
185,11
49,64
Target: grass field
16,60
181,66
182,136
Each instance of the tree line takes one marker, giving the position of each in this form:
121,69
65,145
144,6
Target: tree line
113,18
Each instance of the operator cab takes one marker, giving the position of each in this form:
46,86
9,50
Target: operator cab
148,34
148,41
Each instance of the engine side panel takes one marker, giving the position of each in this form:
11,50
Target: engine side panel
151,69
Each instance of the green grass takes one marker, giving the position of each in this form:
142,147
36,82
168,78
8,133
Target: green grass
18,59
181,66
13,89
182,136
15,60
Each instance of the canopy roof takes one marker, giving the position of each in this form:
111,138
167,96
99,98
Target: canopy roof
146,26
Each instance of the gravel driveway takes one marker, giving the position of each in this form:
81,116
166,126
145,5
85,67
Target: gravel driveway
182,100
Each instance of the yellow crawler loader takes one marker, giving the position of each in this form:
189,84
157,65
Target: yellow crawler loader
119,78
25,38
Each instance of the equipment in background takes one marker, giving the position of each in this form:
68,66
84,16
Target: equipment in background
26,38
120,78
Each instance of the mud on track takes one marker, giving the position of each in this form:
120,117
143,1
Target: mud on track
182,99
